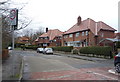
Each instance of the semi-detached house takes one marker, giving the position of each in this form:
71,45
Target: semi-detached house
87,33
50,38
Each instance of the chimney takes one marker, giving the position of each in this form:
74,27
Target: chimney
46,30
78,20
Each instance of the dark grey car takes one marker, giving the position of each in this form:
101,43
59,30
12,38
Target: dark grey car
117,62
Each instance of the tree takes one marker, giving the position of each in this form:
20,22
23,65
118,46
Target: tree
32,34
6,28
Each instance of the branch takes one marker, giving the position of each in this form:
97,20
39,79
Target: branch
24,26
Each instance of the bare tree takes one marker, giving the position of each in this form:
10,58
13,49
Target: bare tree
6,28
32,34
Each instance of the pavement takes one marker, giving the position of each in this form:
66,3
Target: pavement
11,67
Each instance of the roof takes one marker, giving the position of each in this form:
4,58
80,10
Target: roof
89,24
52,34
36,40
23,38
110,39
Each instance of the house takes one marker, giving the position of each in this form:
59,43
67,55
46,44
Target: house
87,33
117,35
23,40
50,38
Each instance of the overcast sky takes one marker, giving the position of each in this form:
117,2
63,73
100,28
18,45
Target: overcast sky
62,14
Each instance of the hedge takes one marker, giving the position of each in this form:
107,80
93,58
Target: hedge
118,44
97,50
34,47
63,48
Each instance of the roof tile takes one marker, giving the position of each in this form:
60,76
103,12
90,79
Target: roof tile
52,34
95,27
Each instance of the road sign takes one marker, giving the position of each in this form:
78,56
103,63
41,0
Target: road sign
13,17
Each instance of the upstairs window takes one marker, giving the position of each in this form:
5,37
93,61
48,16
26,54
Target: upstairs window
102,34
86,33
82,33
77,34
46,38
70,35
65,36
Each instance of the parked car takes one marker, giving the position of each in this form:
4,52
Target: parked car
9,48
117,62
40,50
48,51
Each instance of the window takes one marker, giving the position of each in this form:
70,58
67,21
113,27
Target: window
65,36
82,33
86,33
77,34
40,38
102,35
55,40
46,38
70,35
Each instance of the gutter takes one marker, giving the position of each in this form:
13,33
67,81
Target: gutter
21,71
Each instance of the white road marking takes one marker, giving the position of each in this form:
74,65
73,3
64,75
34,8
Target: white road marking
103,75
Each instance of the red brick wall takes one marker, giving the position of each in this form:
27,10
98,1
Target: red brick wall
58,41
43,40
90,38
106,34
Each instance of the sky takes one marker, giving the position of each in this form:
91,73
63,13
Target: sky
62,14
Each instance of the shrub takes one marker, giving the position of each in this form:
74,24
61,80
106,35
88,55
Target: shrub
118,44
97,50
63,48
34,47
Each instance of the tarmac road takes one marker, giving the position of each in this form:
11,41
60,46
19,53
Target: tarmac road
53,67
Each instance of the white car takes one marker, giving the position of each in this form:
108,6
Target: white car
40,50
9,48
48,51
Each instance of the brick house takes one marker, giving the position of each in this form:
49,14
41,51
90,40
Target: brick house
87,33
50,38
23,40
117,35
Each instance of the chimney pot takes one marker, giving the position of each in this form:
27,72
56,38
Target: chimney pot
46,30
79,20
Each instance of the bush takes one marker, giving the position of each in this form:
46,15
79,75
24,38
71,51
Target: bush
63,48
97,50
19,44
118,44
34,47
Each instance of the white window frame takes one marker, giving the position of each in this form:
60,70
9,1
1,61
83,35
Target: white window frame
70,35
102,34
86,33
83,33
77,34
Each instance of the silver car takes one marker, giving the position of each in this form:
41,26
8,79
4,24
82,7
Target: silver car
40,50
48,51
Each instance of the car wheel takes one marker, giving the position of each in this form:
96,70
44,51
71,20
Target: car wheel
117,67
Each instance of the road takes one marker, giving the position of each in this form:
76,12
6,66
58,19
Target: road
39,66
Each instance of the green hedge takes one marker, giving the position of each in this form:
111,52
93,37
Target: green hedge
97,50
118,44
34,47
63,48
